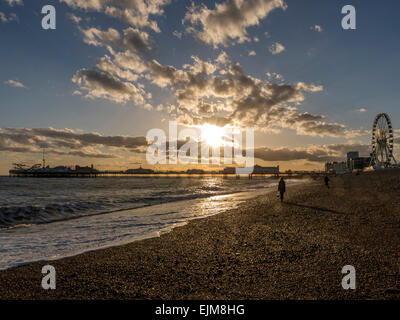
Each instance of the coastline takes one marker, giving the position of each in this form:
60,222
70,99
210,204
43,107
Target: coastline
261,250
85,233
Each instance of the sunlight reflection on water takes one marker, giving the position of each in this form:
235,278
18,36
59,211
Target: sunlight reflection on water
70,237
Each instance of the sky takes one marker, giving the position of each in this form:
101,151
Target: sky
90,90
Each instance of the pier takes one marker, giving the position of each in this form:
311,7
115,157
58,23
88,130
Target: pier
90,172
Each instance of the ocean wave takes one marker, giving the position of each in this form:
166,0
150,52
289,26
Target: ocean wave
49,200
15,216
28,215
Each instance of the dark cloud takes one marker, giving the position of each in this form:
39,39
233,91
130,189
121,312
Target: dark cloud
316,153
100,84
136,41
217,121
5,145
132,39
83,154
321,128
286,154
67,142
22,135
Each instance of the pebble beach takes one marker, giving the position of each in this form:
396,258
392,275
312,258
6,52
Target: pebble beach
262,250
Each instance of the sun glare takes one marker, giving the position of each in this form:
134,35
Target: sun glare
212,135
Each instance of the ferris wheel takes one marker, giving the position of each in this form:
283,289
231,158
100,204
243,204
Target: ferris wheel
382,142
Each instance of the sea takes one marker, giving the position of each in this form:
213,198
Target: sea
43,219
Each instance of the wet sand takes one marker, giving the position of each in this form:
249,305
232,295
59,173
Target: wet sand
262,250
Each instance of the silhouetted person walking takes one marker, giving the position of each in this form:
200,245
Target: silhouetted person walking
282,188
327,181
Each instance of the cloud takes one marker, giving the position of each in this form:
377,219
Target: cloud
219,87
8,147
276,48
317,28
86,4
116,79
97,37
136,13
74,18
15,84
273,76
223,58
83,154
130,61
134,40
106,64
286,154
319,128
222,88
316,153
67,142
12,17
177,34
99,84
228,22
3,17
11,3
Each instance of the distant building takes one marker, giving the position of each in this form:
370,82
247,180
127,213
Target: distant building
336,167
58,169
257,170
359,163
195,171
84,169
265,170
352,155
340,168
140,170
228,170
353,162
329,167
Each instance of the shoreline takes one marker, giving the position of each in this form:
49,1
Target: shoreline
246,195
261,250
189,198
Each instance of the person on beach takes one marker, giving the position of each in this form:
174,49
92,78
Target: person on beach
327,181
282,188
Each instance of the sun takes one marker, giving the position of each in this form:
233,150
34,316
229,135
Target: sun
212,135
